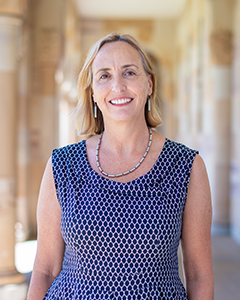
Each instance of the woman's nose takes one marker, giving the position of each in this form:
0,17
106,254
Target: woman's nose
118,84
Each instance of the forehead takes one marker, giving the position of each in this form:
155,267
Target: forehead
117,53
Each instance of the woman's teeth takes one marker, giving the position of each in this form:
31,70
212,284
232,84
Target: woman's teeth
121,101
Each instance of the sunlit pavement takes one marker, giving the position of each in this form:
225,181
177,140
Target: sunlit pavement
24,258
226,266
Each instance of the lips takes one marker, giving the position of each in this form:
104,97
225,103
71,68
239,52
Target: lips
121,101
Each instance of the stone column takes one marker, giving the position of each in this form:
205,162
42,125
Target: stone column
221,58
8,70
47,20
235,133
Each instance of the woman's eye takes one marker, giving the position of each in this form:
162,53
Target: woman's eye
130,73
104,76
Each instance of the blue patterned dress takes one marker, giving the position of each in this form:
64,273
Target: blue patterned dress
121,238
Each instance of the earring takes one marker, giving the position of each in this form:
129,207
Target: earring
149,103
95,110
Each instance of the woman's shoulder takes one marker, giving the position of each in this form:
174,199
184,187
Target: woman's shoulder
70,148
68,155
180,148
169,145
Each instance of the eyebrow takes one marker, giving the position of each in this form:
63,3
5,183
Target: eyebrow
101,70
123,67
130,65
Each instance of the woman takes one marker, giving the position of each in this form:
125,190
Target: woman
112,209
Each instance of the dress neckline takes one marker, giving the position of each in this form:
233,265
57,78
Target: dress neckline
111,181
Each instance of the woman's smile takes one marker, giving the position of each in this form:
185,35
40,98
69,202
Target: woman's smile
121,101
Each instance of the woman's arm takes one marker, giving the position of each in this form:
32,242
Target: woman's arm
196,235
50,249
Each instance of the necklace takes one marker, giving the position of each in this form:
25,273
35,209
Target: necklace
127,172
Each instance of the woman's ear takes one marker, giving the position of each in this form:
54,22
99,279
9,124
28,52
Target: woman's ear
150,83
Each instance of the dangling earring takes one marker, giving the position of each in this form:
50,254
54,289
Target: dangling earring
95,110
149,103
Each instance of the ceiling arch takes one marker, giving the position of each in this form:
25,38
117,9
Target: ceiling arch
134,9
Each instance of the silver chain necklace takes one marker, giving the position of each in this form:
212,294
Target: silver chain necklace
127,172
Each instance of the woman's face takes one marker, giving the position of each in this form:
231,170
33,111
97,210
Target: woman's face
120,85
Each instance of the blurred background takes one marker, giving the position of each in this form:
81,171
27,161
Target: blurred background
195,49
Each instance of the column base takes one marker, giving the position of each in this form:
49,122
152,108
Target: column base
218,229
14,291
235,234
12,277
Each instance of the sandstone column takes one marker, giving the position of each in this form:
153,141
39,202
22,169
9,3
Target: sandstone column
8,54
47,19
221,13
235,133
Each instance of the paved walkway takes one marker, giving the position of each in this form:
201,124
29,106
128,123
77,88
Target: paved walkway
226,268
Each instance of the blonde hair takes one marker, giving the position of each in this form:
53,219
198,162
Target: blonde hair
84,120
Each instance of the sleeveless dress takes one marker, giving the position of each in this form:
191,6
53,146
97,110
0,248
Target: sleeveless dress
121,238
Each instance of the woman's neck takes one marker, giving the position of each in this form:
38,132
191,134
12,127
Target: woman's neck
125,138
